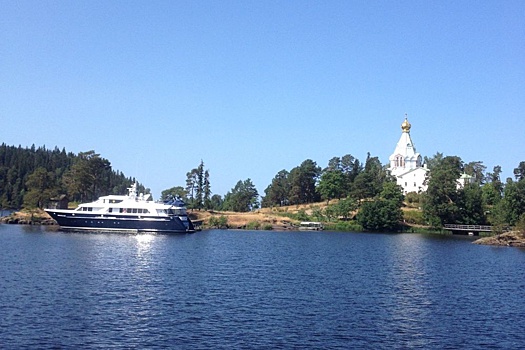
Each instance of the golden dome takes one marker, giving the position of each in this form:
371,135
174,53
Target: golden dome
406,126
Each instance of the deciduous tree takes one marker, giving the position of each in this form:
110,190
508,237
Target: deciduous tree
380,215
332,184
177,191
471,206
440,205
512,206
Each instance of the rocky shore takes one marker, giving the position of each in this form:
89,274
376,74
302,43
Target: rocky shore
22,221
508,239
38,217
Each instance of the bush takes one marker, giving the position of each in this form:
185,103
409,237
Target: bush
218,222
380,215
267,227
253,225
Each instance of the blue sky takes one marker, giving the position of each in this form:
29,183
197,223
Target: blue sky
254,87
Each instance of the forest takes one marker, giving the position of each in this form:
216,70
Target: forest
31,177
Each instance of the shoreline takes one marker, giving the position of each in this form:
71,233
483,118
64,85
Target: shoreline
242,221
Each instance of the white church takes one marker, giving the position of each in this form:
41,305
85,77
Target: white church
406,164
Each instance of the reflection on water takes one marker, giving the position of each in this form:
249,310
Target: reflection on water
409,288
144,242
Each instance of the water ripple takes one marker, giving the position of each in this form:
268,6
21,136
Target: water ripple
257,290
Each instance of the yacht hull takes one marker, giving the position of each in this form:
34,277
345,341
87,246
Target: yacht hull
122,223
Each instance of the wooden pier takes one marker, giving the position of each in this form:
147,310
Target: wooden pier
467,229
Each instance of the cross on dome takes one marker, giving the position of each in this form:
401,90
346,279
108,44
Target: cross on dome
406,125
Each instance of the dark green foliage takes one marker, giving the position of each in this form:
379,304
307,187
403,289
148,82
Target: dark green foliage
216,202
174,192
476,170
303,181
337,179
199,197
512,206
495,180
267,227
433,161
392,192
380,215
490,194
207,191
253,225
441,199
519,172
242,198
308,184
278,192
332,185
369,182
81,177
471,205
198,188
191,184
295,187
343,209
218,222
384,212
445,202
89,177
41,185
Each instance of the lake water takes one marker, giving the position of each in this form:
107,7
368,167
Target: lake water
257,290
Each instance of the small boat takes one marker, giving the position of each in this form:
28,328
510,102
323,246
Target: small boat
311,226
126,213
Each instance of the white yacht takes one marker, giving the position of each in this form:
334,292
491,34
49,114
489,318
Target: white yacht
131,213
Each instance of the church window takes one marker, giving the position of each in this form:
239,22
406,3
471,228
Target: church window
400,161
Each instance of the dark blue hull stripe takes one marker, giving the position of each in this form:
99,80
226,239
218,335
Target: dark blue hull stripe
124,223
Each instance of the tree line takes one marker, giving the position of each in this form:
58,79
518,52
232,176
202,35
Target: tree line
31,177
367,193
